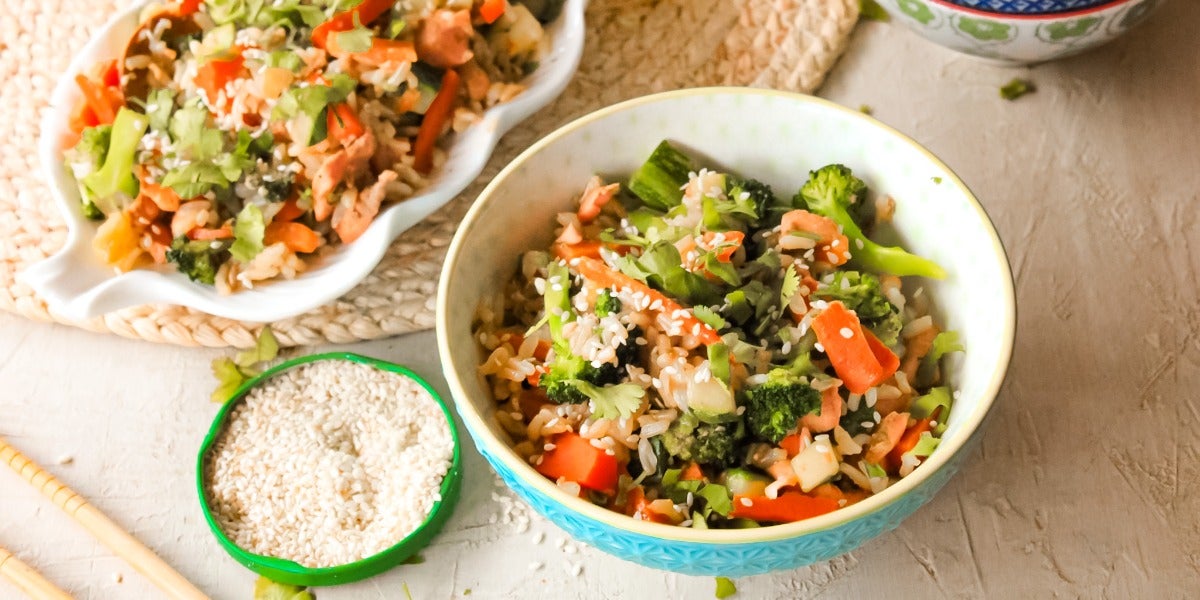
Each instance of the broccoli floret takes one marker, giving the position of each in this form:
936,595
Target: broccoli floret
774,408
557,382
831,192
708,444
279,187
607,304
199,260
862,293
766,205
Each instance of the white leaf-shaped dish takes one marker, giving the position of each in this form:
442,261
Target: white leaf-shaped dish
77,285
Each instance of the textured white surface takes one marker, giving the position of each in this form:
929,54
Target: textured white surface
1088,481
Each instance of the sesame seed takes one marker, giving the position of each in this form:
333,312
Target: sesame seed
846,332
819,346
747,502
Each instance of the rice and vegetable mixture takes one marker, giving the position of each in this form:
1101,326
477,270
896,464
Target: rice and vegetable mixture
695,350
237,139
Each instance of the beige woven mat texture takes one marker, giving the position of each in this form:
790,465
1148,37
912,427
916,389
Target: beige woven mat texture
634,47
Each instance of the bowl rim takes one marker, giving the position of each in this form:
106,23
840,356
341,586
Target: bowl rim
288,571
76,290
482,433
1042,16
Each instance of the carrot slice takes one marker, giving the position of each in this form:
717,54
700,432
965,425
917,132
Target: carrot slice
204,233
574,458
731,241
434,121
691,472
215,74
342,123
290,212
597,272
97,99
491,10
586,248
909,440
790,444
832,245
82,117
840,333
367,11
888,360
788,507
296,236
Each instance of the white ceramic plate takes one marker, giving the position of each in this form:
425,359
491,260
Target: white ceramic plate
77,285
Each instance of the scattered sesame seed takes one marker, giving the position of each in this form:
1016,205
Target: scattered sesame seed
118,578
846,332
747,502
538,537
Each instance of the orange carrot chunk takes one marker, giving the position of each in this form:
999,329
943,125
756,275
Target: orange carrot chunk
840,333
787,508
602,275
296,236
435,119
491,10
575,459
367,11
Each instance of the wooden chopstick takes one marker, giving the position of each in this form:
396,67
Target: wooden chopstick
27,580
101,527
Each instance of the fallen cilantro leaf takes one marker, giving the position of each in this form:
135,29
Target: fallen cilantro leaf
415,559
265,589
870,9
725,587
1016,88
407,594
231,373
229,379
937,180
266,348
467,592
866,109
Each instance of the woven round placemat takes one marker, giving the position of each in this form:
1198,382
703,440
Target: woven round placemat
633,48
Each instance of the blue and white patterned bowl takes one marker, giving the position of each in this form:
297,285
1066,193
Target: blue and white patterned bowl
1018,32
1029,7
776,137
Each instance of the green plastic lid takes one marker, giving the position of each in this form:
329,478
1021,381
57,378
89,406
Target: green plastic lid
286,571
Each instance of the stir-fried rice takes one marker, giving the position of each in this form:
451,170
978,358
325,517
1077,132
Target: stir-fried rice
694,350
236,139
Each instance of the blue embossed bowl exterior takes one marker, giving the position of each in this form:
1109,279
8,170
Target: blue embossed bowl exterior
777,137
1019,32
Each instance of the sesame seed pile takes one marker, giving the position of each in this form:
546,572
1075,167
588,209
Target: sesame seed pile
328,463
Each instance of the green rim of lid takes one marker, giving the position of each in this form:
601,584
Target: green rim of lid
286,571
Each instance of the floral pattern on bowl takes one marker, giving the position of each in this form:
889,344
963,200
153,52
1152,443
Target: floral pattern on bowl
1029,7
1022,38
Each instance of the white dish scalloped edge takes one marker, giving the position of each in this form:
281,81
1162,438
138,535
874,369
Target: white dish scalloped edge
77,285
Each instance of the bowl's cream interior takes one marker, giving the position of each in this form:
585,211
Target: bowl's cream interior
79,286
776,137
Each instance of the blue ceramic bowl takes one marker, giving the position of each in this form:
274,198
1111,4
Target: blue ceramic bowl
1029,7
776,137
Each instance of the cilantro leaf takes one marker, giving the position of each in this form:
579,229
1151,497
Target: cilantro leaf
248,230
709,317
791,285
611,402
194,138
926,444
354,40
660,266
159,105
194,179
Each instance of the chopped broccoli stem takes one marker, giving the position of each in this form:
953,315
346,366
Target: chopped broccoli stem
659,181
708,444
116,174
